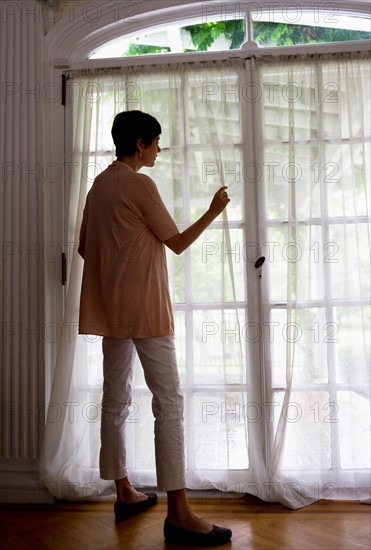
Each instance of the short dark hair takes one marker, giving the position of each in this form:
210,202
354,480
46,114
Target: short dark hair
129,126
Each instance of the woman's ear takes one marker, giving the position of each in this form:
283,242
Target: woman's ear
140,146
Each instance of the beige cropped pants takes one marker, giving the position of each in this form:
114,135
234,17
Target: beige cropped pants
158,359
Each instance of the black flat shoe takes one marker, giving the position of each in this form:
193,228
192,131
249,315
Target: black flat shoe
125,511
177,535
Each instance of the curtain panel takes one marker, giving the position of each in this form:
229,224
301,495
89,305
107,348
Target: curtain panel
315,208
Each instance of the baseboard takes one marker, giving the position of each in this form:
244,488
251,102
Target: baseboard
23,487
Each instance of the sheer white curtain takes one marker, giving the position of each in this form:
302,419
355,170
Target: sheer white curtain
315,121
69,452
201,134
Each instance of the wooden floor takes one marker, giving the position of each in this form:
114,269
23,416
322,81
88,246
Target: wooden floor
256,526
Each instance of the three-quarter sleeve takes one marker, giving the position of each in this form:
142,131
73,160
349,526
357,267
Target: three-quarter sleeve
155,213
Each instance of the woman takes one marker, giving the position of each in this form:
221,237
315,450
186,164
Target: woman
125,298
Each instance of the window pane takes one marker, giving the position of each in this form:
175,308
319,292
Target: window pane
286,100
219,340
270,34
214,110
215,35
343,117
94,371
346,175
349,245
280,171
140,421
306,252
209,35
354,426
221,435
309,333
210,256
351,332
208,172
308,417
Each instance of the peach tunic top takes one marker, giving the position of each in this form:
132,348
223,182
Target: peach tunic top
125,291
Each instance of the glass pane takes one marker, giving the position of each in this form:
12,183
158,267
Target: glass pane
305,253
346,175
270,34
308,430
214,109
286,102
209,35
219,341
207,172
221,435
349,259
354,429
138,374
101,101
279,172
352,336
141,422
211,278
309,334
94,371
215,35
344,117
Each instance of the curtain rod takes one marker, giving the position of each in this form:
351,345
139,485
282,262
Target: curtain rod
228,55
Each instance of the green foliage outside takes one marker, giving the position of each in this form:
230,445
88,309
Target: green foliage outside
142,49
281,34
204,35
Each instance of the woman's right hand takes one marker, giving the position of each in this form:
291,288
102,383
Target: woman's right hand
219,202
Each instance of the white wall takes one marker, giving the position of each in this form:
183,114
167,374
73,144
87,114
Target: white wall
22,265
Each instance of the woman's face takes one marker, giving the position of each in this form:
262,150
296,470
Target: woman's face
149,154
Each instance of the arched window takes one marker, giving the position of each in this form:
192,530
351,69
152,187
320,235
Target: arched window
217,31
273,360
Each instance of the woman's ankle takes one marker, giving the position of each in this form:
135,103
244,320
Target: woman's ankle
179,510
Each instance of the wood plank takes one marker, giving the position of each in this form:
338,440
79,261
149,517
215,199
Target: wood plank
256,525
